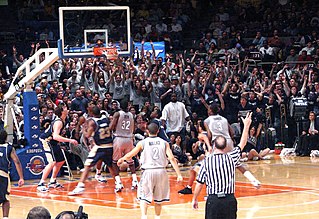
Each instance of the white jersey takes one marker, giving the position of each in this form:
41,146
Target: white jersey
218,125
125,125
154,153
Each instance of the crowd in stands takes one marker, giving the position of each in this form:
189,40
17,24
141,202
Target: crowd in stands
253,56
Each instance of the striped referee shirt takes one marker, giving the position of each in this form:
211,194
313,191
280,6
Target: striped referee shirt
218,172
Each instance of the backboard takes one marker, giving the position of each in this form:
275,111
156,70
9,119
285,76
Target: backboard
83,28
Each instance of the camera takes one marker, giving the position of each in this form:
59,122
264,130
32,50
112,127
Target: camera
76,215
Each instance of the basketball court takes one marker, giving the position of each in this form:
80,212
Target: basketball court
289,186
289,190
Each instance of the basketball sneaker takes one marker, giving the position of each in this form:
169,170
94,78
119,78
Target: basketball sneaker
77,191
134,184
118,187
185,191
55,185
42,188
100,178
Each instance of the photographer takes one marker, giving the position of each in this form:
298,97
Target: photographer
72,215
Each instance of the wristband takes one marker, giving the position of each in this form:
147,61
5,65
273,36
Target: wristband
251,178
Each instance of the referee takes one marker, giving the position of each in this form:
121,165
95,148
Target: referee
218,173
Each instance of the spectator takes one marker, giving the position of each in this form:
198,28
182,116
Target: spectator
55,72
198,104
267,52
174,116
292,58
309,136
6,64
259,40
309,49
223,40
165,92
161,27
74,82
304,57
79,103
223,15
232,99
155,93
39,212
117,85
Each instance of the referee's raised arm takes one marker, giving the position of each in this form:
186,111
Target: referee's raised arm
245,133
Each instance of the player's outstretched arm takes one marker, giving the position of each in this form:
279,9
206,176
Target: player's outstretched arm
56,134
204,138
255,182
17,163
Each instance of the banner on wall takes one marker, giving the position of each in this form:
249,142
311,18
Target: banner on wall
158,46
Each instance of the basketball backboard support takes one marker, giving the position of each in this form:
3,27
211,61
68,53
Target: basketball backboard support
83,28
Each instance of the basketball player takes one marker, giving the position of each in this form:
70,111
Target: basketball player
123,127
216,125
7,152
206,148
83,149
50,140
155,115
100,139
154,184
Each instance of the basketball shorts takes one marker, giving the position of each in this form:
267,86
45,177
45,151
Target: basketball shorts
97,153
122,146
154,185
4,189
53,153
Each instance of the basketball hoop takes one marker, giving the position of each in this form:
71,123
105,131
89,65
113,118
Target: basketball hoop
109,53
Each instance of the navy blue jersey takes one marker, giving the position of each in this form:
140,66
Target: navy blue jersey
5,151
48,133
102,134
161,131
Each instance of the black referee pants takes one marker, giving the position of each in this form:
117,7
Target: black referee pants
221,207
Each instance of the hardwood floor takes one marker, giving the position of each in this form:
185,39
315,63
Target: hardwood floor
289,191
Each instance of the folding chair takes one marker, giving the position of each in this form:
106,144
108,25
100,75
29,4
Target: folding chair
67,166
